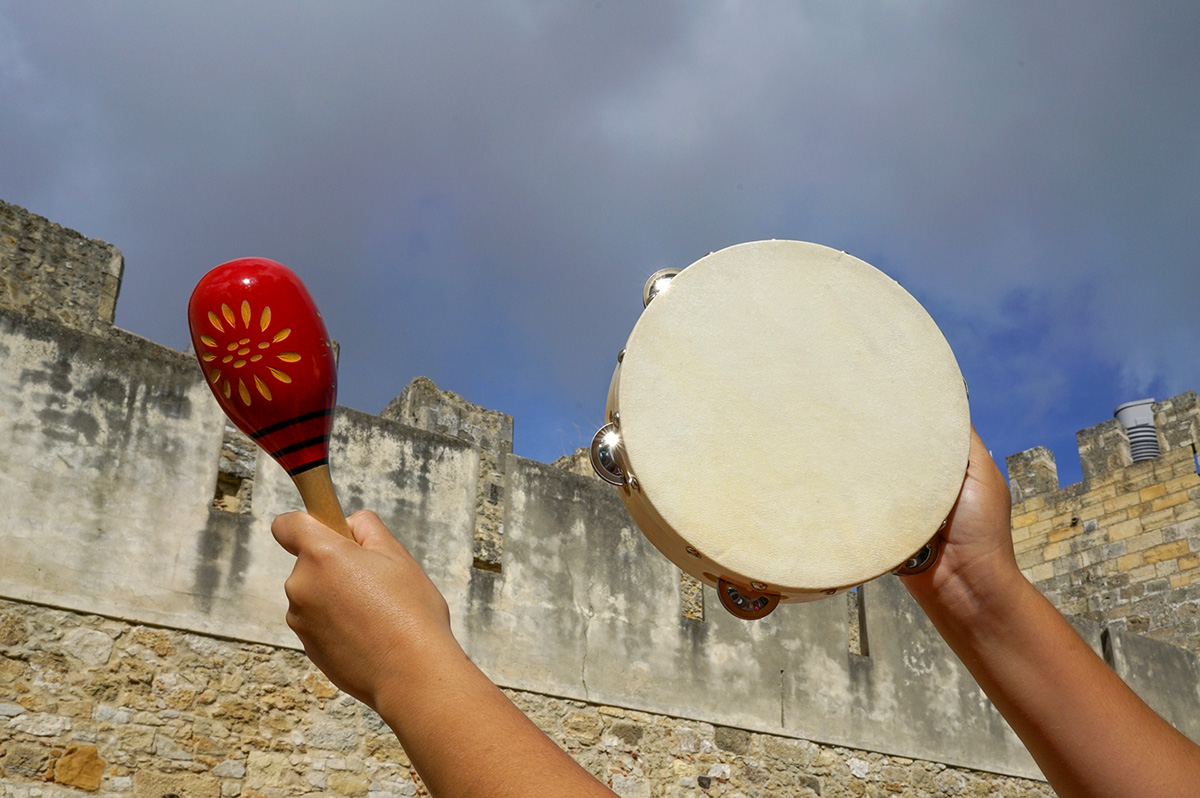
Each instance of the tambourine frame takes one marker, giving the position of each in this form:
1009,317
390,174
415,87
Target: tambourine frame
743,595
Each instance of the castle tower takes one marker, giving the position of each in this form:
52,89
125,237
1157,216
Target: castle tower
1122,547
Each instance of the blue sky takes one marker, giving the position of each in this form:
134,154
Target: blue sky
476,191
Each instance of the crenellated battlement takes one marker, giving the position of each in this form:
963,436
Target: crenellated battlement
1104,449
56,274
1121,547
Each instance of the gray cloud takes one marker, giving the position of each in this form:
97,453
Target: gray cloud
475,191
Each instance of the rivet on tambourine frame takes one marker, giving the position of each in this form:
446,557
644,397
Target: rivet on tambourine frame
922,560
691,550
604,457
621,355
657,283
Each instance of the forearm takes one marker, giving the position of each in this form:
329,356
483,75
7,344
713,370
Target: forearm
373,622
1089,733
466,738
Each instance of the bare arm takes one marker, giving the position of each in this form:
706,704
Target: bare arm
1089,733
371,619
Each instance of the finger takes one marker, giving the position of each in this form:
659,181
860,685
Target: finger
287,530
298,531
371,533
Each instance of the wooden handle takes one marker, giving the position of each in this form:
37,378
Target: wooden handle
320,499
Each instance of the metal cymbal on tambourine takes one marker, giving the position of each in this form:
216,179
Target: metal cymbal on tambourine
784,423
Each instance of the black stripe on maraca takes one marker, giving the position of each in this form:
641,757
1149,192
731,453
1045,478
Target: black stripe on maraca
295,447
265,431
313,464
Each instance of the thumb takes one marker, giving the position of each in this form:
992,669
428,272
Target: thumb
370,532
297,531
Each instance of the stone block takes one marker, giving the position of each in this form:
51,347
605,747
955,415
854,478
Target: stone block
1103,449
1178,421
1165,551
80,766
89,647
355,785
1121,501
1040,573
1062,533
1185,482
1146,540
1029,544
40,724
1025,519
1189,511
1184,579
1031,557
1067,563
1153,492
1169,500
1032,473
1130,561
1182,531
154,784
26,759
1100,494
1153,520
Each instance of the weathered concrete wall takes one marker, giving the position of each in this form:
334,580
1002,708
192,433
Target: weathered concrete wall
586,608
1168,679
104,449
1123,546
423,406
109,454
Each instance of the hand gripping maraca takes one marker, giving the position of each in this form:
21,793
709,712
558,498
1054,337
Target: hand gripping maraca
269,362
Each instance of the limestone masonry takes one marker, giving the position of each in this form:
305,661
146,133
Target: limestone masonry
143,652
1121,548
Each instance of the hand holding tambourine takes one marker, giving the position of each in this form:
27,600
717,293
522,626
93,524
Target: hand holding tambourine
785,422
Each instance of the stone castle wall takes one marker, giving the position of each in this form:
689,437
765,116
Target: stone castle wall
1122,547
141,623
54,273
95,705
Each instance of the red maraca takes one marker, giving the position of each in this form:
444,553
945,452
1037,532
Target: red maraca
269,362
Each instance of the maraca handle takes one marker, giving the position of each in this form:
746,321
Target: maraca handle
320,499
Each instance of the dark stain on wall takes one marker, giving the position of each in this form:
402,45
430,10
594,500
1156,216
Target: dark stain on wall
223,549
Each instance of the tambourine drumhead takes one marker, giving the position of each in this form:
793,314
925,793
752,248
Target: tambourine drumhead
791,419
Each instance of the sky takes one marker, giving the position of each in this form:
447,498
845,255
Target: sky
476,191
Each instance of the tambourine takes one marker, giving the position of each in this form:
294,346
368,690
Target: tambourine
785,423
